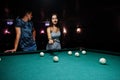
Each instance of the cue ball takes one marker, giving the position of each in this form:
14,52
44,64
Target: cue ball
102,60
83,52
41,53
0,59
69,52
55,58
77,54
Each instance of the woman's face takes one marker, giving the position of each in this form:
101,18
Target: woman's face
54,19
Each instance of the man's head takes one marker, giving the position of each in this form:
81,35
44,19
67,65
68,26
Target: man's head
26,15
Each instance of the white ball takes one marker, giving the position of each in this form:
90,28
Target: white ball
0,59
41,53
83,52
69,52
55,58
102,60
77,54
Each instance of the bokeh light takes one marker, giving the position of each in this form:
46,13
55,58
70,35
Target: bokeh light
42,31
78,30
64,30
6,31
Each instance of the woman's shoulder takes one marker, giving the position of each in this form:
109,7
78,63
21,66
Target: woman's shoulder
49,28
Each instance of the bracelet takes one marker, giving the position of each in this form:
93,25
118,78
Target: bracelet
50,38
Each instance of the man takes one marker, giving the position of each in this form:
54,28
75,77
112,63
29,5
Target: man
25,34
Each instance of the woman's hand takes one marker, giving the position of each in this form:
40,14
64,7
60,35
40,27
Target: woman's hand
50,41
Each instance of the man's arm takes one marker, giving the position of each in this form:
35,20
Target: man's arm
18,33
34,34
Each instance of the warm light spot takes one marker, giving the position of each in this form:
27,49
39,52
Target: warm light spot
64,30
78,30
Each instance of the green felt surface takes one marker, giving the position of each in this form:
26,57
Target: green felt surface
69,67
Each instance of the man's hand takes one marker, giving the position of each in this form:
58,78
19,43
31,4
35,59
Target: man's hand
10,51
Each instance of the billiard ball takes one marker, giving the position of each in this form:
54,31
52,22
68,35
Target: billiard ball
41,54
83,52
0,59
102,60
69,52
77,54
56,58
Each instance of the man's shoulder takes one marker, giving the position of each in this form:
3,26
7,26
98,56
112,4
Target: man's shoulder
19,22
30,22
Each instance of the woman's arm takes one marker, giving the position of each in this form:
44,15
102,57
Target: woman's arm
49,36
48,33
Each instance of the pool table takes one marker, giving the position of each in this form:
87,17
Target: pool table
31,66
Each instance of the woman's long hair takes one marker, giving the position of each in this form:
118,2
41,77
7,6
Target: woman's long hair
58,24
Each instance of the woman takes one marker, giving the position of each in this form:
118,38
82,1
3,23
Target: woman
53,33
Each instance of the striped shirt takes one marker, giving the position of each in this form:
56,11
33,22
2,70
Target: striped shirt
26,38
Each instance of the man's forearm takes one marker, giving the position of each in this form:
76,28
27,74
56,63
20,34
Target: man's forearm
16,42
34,34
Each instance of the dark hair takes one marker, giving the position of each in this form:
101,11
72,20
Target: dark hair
54,14
23,13
58,24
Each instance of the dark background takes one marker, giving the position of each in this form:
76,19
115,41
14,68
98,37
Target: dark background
99,20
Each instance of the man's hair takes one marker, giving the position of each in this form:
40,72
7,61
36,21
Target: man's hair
23,13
